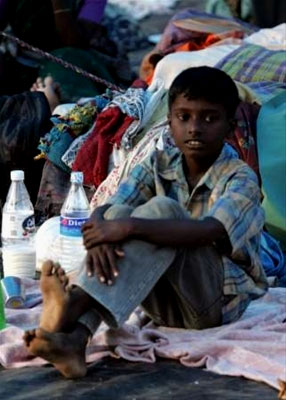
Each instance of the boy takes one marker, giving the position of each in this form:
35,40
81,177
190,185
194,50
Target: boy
180,236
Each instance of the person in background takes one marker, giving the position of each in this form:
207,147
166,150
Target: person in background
69,29
24,118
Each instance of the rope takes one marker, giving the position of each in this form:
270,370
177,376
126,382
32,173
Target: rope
60,61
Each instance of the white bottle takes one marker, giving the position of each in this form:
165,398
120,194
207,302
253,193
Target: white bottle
18,228
74,213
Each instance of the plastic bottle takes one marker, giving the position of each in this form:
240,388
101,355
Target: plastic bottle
18,228
74,213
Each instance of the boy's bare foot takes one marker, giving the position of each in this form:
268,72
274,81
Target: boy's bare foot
51,90
62,305
66,351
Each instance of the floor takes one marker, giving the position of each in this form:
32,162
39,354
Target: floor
121,380
155,25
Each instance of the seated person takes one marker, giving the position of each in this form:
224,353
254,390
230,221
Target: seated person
180,237
24,118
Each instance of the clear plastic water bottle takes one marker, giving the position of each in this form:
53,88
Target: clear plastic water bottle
74,213
18,228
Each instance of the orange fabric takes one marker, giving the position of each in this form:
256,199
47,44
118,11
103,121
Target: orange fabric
209,40
201,43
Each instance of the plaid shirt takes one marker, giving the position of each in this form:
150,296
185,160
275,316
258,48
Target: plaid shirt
229,192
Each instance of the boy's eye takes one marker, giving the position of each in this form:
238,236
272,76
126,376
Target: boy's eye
210,118
183,116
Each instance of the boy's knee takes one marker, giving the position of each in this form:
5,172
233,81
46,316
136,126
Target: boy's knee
160,207
117,211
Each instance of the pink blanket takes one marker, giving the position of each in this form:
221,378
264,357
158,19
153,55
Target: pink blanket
253,347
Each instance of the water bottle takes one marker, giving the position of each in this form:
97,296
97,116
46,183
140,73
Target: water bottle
18,228
74,213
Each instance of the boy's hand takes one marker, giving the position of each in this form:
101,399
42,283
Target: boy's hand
101,260
99,232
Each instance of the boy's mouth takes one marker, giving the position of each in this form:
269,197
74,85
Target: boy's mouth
194,144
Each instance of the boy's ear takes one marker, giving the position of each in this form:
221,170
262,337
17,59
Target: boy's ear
169,118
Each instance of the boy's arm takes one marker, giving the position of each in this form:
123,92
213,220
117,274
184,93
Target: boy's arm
101,239
168,232
186,233
98,213
102,255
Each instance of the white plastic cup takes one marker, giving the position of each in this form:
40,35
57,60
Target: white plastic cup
19,261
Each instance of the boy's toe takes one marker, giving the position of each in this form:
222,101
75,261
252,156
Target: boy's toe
47,268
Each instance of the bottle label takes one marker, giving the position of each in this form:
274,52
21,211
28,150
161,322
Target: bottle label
71,227
17,226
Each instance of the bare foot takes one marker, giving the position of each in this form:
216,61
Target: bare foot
51,90
62,305
66,351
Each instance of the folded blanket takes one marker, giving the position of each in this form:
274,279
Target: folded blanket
253,347
251,63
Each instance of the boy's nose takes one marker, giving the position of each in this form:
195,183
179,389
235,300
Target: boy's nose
194,126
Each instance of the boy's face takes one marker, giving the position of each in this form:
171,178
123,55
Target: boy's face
198,127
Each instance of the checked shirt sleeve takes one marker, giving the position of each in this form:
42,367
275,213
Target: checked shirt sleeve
138,188
238,208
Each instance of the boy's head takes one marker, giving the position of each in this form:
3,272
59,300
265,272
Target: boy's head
210,84
202,103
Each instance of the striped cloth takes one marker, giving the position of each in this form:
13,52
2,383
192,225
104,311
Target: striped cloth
251,63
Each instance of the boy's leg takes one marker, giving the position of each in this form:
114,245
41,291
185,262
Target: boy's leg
139,270
190,293
177,287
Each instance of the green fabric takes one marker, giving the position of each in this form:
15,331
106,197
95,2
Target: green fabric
74,85
159,114
252,63
218,7
271,145
221,8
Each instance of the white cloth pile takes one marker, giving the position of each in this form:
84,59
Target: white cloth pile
139,9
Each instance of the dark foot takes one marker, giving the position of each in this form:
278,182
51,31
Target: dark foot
51,90
56,297
62,305
66,351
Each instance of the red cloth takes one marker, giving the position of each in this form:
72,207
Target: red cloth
93,157
244,136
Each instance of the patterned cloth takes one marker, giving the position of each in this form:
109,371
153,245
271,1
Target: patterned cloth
66,128
174,36
69,156
251,63
126,32
227,192
143,149
265,91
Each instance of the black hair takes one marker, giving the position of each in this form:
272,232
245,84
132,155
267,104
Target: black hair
206,83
